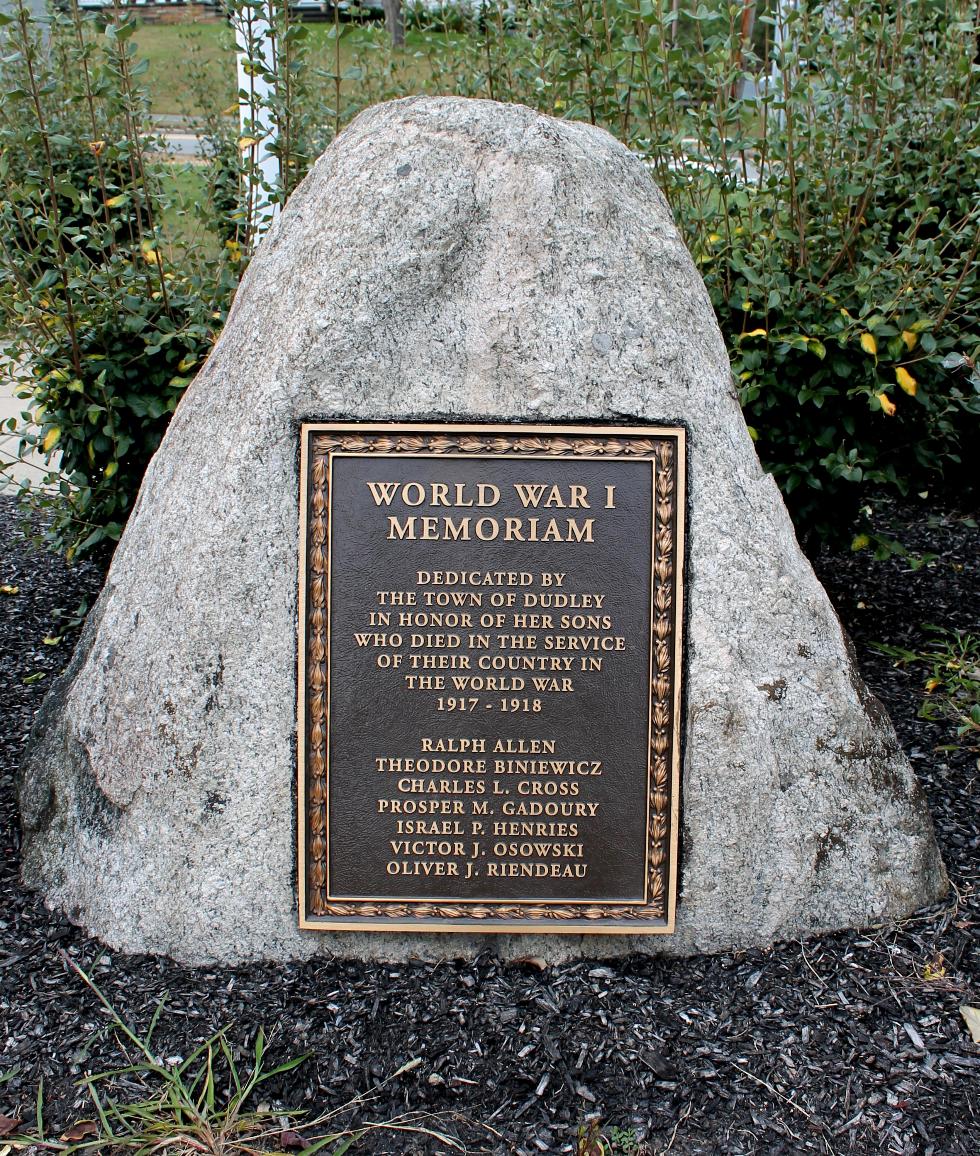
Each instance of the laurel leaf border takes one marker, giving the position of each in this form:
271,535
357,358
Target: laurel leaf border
662,449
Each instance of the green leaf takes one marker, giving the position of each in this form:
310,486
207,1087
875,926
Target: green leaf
67,189
122,31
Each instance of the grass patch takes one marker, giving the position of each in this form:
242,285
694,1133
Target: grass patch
192,67
204,1104
193,71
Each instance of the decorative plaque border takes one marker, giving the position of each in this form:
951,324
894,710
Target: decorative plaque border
665,448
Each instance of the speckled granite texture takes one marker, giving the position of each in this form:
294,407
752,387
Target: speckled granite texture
453,259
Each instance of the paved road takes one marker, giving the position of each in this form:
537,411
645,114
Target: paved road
30,467
178,132
183,144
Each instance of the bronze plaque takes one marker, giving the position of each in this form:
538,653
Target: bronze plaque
489,677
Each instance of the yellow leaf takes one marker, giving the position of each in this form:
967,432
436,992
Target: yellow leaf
7,589
246,142
51,640
111,469
115,202
910,339
756,333
746,305
860,542
972,1017
887,405
906,380
753,433
931,684
51,439
934,970
868,343
231,110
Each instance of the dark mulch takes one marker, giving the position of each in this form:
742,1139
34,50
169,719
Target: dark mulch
848,1044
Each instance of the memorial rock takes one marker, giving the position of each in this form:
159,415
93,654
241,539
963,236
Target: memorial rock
461,262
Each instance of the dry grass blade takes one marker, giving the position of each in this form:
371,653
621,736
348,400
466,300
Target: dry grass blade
186,1110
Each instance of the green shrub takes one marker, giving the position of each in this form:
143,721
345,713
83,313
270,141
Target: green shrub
844,273
111,292
104,312
106,417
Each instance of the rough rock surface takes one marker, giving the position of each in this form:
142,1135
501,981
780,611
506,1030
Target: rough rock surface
453,259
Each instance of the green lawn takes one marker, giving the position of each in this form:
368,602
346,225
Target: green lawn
186,187
192,67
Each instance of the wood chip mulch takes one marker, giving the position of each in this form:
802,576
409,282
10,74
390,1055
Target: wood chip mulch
853,1043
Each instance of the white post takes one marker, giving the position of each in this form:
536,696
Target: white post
255,42
782,10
